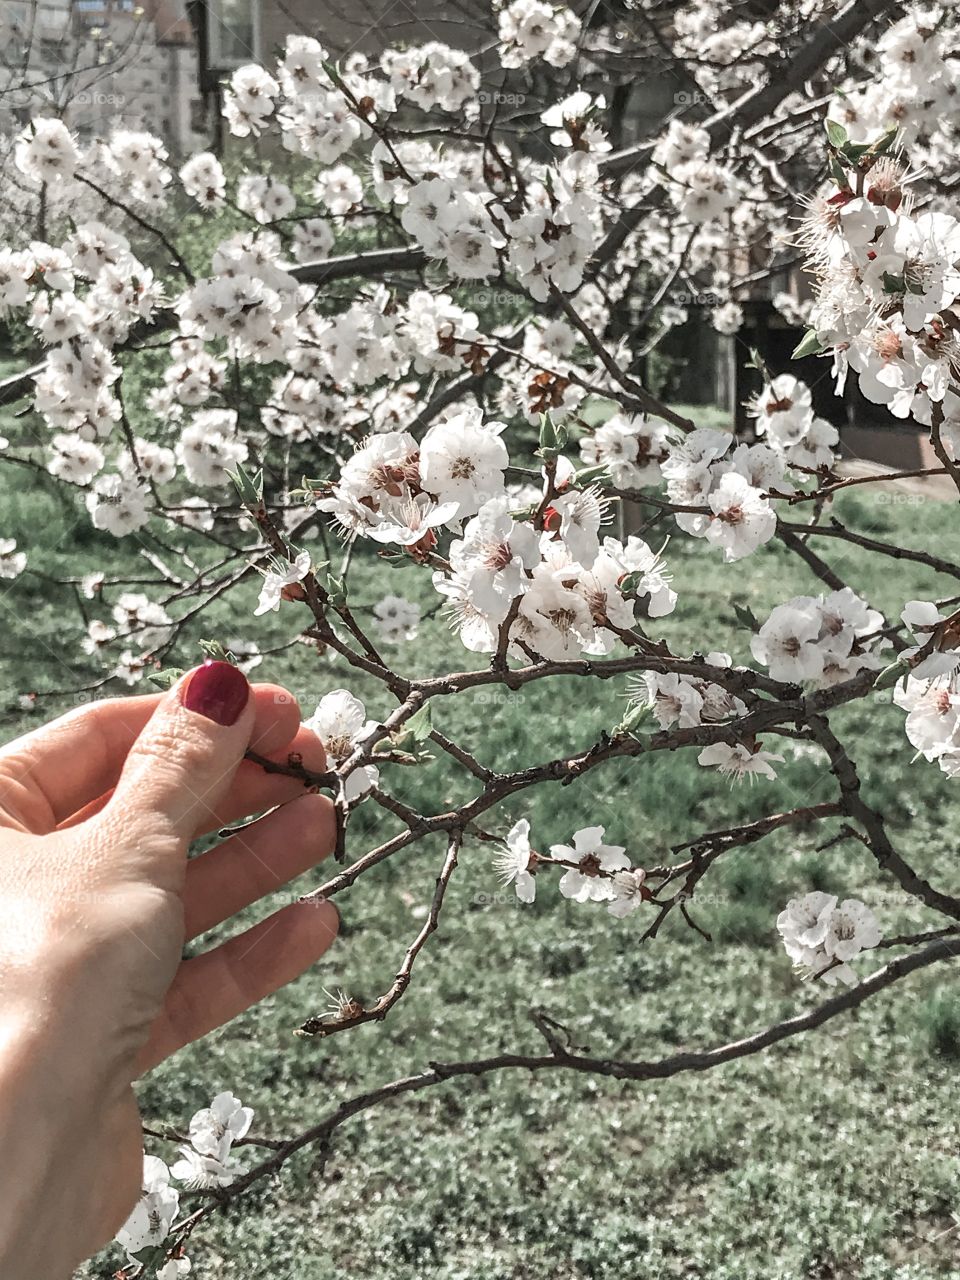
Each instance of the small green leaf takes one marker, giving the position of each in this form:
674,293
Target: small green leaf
420,725
836,133
745,617
215,650
151,1258
838,175
166,678
809,345
249,487
757,362
548,432
630,583
336,591
591,474
885,141
635,716
855,151
889,676
395,559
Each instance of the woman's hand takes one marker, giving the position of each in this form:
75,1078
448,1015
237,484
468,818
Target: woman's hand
97,811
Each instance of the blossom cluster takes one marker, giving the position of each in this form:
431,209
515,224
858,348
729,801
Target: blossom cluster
821,936
784,415
930,693
533,29
731,485
538,225
543,567
205,1163
630,448
887,266
593,871
821,639
685,701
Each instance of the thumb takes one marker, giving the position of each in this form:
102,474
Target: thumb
183,762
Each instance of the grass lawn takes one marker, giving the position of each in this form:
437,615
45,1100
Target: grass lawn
833,1156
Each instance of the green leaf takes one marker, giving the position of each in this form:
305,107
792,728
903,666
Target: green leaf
635,716
838,175
589,475
836,133
893,284
885,141
166,678
420,725
395,559
151,1258
745,617
336,590
249,487
548,432
809,345
757,362
889,676
215,650
855,151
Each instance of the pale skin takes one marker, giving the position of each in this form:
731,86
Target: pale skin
97,897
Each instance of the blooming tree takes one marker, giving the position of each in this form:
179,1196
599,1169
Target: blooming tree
416,333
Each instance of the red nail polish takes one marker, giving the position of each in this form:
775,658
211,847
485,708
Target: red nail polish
218,691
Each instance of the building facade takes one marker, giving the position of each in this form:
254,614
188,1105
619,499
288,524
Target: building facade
96,62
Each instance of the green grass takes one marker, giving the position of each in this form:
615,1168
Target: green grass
834,1156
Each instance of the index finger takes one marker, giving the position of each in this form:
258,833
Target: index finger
50,774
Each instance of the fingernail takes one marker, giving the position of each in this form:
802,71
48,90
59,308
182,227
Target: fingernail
217,690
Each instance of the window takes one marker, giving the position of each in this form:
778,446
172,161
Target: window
198,116
233,28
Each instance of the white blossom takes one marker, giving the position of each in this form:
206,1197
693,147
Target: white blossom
341,725
821,937
153,1215
590,880
277,579
12,561
516,862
